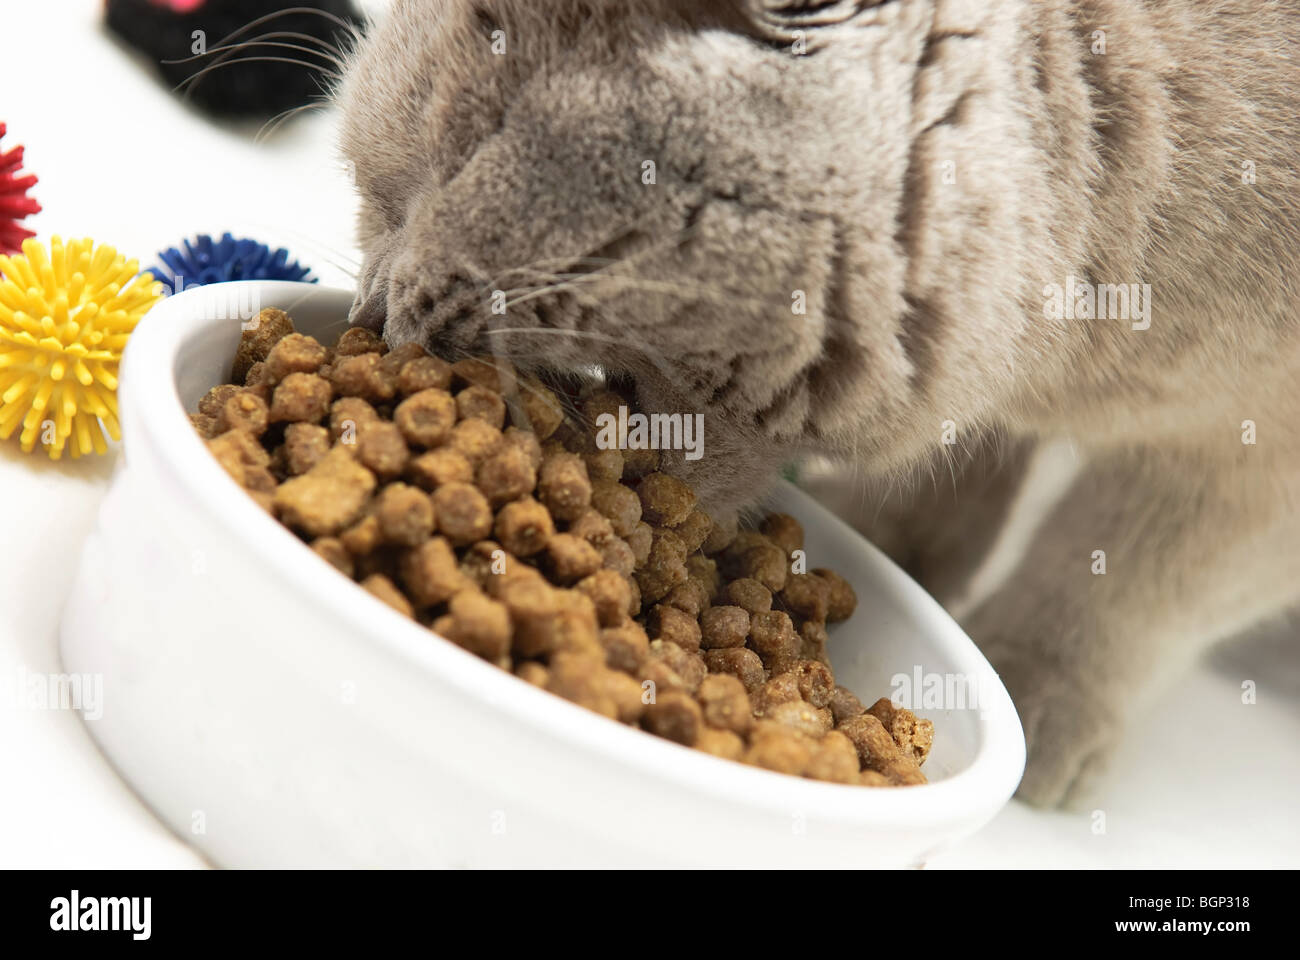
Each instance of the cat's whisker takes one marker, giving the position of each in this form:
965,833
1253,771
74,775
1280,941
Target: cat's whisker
269,128
656,358
189,82
273,39
345,25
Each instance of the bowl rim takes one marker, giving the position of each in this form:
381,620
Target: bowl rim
152,413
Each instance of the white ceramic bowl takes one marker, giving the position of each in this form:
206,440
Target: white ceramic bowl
274,714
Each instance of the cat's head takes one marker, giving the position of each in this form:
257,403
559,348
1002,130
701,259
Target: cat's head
805,219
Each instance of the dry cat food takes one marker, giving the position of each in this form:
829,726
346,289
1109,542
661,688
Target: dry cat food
463,497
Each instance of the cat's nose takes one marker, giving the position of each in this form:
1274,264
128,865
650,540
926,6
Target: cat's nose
439,308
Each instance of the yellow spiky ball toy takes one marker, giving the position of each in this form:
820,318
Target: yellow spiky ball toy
65,315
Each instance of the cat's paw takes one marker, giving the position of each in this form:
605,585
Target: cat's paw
1070,729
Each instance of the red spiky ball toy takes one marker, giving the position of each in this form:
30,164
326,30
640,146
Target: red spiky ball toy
14,202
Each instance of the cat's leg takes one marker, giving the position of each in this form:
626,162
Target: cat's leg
941,523
1147,559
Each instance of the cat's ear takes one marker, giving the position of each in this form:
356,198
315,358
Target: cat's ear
790,21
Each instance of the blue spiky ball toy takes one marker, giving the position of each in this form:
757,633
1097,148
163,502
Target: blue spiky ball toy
205,261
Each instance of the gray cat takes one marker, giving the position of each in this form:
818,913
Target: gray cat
918,237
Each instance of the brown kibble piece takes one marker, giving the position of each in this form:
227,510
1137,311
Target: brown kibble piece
575,628
705,570
913,735
674,716
724,626
531,603
641,539
842,601
494,373
800,716
363,537
381,448
300,397
690,597
524,527
383,588
816,682
238,452
781,688
694,530
400,356
772,636
669,623
766,563
689,666
777,747
807,595
243,411
423,373
363,376
563,486
625,691
462,512
749,594
812,641
426,419
475,440
876,748
479,624
204,426
436,468
346,416
725,702
665,500
305,444
262,333
741,663
326,498
257,375
480,402
593,527
294,353
530,671
783,530
506,475
431,573
357,341
626,646
605,466
639,463
215,399
616,555
571,558
541,408
658,677
663,569
485,563
526,441
579,677
844,705
332,551
405,515
834,758
610,593
720,743
618,503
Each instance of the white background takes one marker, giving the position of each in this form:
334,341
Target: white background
1202,780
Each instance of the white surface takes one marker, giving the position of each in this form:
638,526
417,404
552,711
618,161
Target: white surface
1205,781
